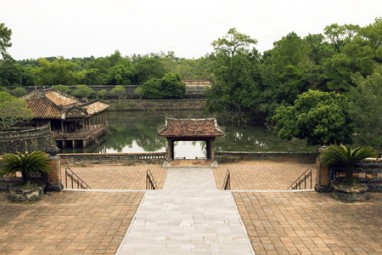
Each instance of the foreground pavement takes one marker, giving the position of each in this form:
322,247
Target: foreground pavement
311,223
189,216
276,222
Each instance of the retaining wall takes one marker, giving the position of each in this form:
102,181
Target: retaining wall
26,139
107,158
153,105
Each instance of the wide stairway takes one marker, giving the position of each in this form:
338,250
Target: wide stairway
189,216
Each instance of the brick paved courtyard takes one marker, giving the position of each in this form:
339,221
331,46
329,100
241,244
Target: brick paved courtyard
67,223
261,175
99,176
276,222
311,223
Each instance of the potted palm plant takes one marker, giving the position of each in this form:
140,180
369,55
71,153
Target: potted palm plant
349,189
27,163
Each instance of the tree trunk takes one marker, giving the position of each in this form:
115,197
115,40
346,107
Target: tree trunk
349,173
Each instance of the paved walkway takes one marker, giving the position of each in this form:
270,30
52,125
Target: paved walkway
189,216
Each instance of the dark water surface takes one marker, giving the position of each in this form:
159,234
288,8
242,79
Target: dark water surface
137,132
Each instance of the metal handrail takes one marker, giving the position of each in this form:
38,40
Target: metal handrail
227,180
302,179
150,182
75,179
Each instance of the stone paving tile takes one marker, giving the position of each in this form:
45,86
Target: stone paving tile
261,174
189,216
100,176
311,223
66,223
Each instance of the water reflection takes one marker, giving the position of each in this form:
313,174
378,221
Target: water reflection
137,132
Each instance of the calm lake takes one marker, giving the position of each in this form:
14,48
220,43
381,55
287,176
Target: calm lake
137,132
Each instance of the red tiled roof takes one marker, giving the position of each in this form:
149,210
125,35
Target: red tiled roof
95,107
50,104
190,128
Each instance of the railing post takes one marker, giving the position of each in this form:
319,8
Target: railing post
227,180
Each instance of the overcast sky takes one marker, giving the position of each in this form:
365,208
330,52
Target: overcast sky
82,28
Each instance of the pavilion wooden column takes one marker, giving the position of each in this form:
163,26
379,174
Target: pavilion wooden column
208,145
170,149
212,149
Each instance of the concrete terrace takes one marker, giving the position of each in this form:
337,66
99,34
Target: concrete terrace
276,222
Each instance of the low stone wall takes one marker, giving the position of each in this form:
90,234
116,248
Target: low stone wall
26,139
302,157
159,157
367,171
153,105
107,158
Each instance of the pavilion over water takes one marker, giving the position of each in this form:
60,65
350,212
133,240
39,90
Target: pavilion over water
73,123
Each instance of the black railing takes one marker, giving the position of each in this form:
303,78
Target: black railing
301,181
74,180
227,180
150,182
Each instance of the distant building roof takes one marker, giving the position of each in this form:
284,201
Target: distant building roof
50,104
190,128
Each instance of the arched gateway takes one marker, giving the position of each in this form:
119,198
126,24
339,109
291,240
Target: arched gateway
190,130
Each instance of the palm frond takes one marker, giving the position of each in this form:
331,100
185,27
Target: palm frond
346,154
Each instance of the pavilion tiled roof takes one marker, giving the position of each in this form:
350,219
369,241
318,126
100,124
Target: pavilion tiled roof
95,107
50,104
190,128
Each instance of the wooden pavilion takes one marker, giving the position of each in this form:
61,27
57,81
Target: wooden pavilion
72,122
190,130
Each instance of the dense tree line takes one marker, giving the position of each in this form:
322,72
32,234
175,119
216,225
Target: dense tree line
324,87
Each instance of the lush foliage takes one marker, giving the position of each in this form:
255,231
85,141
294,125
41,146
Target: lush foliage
61,88
13,111
365,108
170,86
83,91
345,60
118,91
27,163
346,155
320,117
5,40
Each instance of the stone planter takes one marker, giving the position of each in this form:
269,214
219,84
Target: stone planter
28,192
356,193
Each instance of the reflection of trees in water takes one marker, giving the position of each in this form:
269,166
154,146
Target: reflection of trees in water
130,129
134,128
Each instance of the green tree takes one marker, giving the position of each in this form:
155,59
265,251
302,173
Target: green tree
236,76
57,71
170,86
13,111
147,67
233,42
5,40
102,93
83,91
365,101
61,88
118,91
11,73
320,117
19,92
